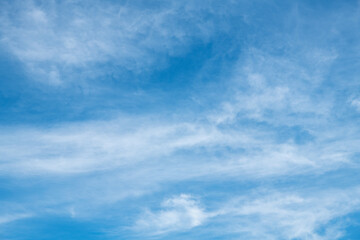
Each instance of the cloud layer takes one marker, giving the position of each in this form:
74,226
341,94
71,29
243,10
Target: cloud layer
202,120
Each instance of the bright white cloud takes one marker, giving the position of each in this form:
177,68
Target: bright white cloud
181,212
356,104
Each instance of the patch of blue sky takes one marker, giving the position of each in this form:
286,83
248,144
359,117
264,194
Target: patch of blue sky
179,120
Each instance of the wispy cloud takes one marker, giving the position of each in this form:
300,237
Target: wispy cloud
58,40
261,214
356,104
263,139
12,217
292,215
178,213
277,90
104,145
111,161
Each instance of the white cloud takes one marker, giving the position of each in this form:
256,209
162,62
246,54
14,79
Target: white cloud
99,145
278,90
303,215
289,215
105,145
57,39
108,161
130,149
356,104
182,212
7,218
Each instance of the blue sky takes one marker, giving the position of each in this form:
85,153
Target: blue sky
179,120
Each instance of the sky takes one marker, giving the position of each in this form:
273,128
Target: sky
181,120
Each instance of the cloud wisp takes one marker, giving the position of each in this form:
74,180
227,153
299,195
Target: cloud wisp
62,41
178,213
261,214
